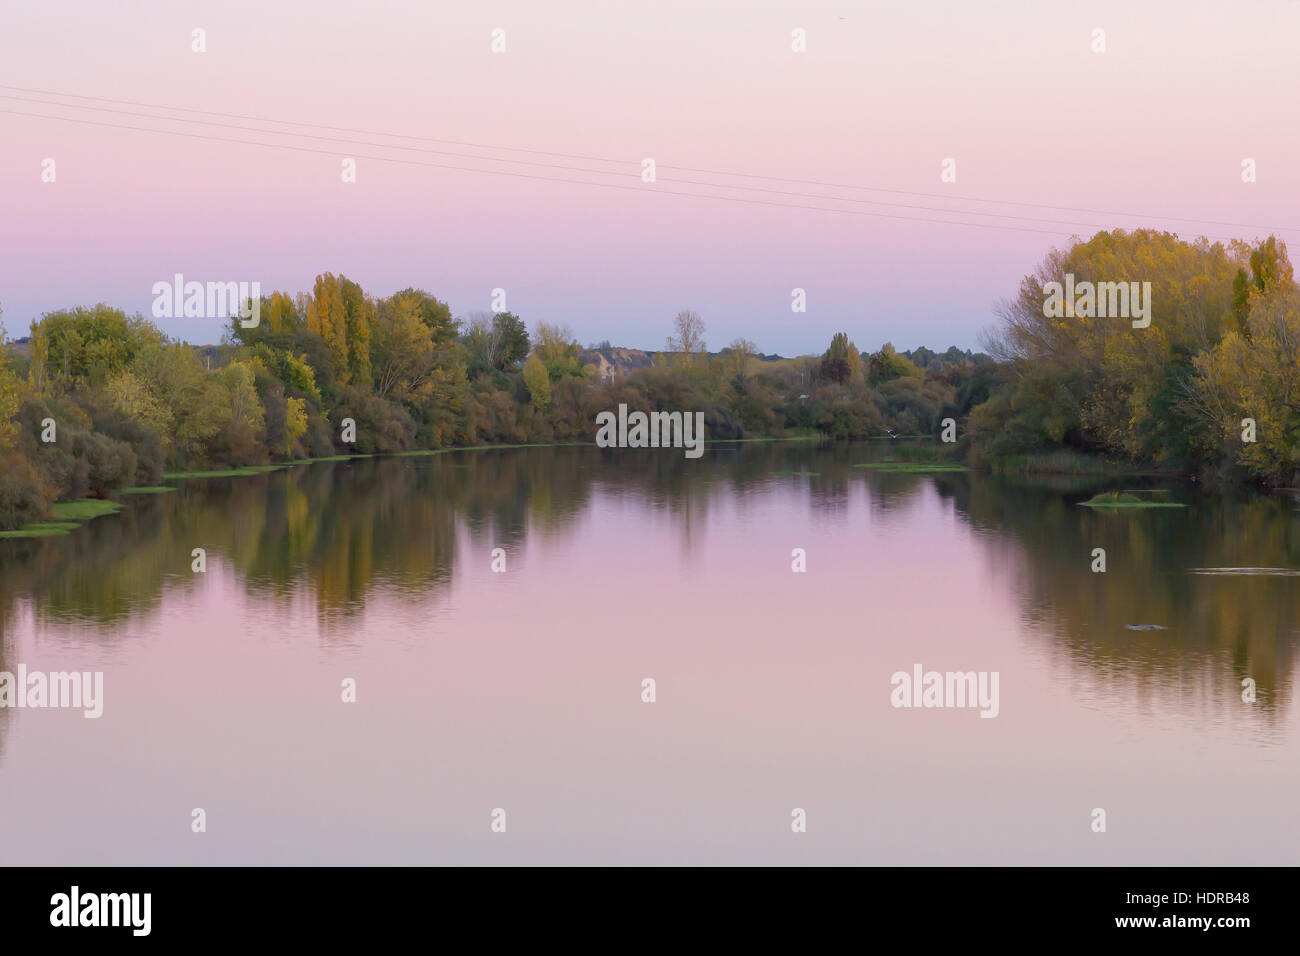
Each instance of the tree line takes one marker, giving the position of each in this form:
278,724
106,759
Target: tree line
128,403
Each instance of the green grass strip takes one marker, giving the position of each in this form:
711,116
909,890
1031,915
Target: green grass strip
42,529
83,509
68,516
240,472
910,467
1113,500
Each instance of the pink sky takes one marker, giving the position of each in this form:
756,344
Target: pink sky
1157,126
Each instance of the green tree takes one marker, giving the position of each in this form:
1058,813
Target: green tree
513,334
558,351
9,398
495,342
842,360
403,348
738,356
295,423
435,314
130,397
237,379
82,347
887,365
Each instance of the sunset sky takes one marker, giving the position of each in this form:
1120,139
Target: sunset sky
1154,128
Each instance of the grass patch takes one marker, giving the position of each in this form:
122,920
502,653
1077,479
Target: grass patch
1061,462
146,490
83,509
42,529
67,515
246,470
240,472
911,467
444,451
746,441
1125,499
312,461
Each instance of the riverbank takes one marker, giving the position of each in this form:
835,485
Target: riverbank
67,516
64,517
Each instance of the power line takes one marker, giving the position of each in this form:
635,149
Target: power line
525,162
335,139
577,182
1003,202
339,129
690,169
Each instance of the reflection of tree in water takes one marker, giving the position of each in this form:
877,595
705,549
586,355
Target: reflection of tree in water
337,531
1219,629
341,529
101,574
5,657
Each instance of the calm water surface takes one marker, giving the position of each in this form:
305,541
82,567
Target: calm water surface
479,690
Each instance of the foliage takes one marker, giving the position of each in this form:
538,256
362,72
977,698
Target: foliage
1066,393
538,381
1221,347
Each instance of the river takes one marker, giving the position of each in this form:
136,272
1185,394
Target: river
523,690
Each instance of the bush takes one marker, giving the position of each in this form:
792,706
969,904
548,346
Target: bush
144,443
382,427
110,464
25,495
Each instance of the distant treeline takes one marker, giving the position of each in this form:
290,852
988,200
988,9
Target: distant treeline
127,403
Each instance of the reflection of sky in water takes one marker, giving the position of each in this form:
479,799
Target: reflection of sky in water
522,690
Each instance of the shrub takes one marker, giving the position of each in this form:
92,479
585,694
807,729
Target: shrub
25,495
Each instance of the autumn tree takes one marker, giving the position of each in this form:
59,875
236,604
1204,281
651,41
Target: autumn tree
402,348
885,365
496,341
538,381
686,346
279,313
342,315
737,357
9,397
558,351
842,360
83,346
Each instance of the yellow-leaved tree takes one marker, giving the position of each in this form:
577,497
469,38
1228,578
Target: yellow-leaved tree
8,397
538,381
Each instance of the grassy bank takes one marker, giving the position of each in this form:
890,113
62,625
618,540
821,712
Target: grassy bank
1125,499
1066,462
67,516
244,471
241,472
911,467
